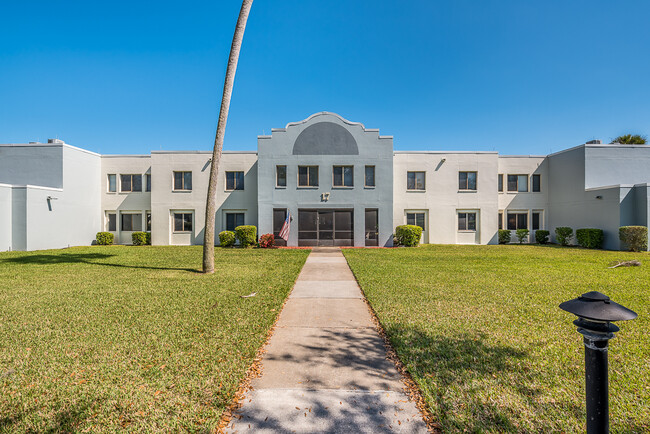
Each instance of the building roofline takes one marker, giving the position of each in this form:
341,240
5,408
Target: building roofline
38,187
126,156
202,152
323,113
446,152
522,156
53,145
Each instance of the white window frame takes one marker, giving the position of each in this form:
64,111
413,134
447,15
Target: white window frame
308,177
342,166
232,211
108,183
416,189
417,211
466,212
516,211
518,183
471,190
173,220
225,183
107,221
181,190
122,213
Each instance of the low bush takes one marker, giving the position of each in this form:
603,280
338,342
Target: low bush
105,238
590,238
141,238
634,237
563,235
226,238
408,235
247,235
541,236
504,236
267,241
522,235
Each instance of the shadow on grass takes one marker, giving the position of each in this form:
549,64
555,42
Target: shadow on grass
84,258
444,365
66,420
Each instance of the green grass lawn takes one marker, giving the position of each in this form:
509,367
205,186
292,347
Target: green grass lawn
479,329
114,338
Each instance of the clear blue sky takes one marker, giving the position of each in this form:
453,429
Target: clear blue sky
519,77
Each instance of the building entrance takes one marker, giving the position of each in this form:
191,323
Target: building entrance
325,227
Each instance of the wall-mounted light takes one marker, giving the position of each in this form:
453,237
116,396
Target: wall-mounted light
599,197
443,160
52,198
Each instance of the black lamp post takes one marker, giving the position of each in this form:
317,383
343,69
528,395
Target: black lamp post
595,312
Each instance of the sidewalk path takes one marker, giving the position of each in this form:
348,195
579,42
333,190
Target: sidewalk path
325,367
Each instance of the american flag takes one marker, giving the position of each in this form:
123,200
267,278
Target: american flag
286,227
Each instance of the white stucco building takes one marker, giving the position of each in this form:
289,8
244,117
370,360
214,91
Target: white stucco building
342,183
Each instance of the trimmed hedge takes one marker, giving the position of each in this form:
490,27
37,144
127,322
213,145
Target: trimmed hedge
408,235
522,235
226,238
634,237
104,238
563,235
590,238
141,238
541,236
504,236
247,235
267,241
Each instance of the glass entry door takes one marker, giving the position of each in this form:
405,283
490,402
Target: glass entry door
329,227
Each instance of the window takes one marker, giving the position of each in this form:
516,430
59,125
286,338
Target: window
307,176
279,217
536,220
234,219
112,222
467,221
372,227
182,181
518,183
183,221
343,176
148,221
500,219
415,218
467,181
234,180
537,183
369,180
147,178
131,222
280,176
415,181
112,183
517,220
130,183
500,181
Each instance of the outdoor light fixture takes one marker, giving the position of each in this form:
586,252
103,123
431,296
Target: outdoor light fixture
596,312
52,198
599,197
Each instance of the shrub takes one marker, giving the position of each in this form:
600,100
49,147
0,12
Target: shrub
408,235
504,236
590,238
226,238
563,235
104,238
140,238
267,241
247,235
522,235
541,236
634,237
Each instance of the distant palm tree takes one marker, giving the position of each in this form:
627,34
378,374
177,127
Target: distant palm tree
629,139
210,207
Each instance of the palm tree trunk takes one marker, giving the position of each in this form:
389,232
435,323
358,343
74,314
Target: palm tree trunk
210,208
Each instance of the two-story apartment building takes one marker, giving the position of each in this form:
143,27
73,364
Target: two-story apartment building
342,184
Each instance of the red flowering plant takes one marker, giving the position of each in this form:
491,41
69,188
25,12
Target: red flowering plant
267,241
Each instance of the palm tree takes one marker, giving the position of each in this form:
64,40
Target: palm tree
210,207
629,139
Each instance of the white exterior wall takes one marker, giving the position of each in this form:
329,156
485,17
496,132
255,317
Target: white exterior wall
442,200
5,217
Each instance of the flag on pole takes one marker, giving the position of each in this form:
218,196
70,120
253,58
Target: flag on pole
286,227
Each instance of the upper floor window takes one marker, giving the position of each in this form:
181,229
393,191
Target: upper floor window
467,221
130,183
343,176
415,180
234,180
280,176
307,176
147,178
536,181
518,183
500,181
467,181
112,183
182,181
369,179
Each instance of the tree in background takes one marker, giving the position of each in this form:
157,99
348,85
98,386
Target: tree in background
630,139
211,205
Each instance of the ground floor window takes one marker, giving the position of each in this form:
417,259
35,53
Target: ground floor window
467,221
537,217
182,222
415,218
372,227
500,219
517,220
148,221
111,221
234,219
131,222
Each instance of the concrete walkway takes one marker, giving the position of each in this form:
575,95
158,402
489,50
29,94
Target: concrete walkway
325,367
